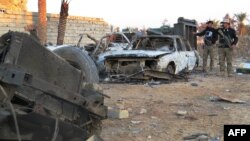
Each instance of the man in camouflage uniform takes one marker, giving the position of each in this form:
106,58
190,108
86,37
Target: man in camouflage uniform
210,37
227,42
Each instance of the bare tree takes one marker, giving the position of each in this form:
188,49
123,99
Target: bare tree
42,21
62,21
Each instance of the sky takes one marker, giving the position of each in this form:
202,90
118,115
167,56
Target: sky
148,13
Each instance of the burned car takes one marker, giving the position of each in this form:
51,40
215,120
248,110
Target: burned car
154,56
162,53
111,41
108,44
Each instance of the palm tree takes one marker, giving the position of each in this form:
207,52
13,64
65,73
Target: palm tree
42,21
62,21
216,23
241,17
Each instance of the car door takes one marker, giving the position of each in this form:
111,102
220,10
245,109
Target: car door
190,54
181,59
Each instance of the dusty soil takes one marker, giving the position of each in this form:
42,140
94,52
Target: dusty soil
153,110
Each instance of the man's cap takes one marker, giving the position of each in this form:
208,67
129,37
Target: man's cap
208,22
225,21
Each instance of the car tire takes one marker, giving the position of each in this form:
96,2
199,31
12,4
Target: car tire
80,60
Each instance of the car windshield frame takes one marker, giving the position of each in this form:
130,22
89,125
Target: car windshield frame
155,43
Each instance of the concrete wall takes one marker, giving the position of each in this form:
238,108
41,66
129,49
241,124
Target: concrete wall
96,27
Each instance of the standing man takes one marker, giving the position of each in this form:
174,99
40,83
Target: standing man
227,42
210,37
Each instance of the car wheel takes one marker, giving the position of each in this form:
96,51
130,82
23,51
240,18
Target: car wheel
170,69
80,60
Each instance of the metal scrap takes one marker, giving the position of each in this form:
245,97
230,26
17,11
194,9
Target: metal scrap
244,68
227,99
49,98
195,136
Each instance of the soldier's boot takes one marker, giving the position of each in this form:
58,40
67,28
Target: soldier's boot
222,74
229,69
211,69
229,73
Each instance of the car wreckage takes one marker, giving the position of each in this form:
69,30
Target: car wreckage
154,56
162,53
42,97
116,41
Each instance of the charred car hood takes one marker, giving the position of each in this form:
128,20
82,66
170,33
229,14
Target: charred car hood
137,54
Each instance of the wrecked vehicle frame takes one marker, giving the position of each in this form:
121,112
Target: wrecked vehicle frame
42,96
154,56
137,62
115,41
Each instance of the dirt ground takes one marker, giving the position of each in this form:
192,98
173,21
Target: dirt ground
153,111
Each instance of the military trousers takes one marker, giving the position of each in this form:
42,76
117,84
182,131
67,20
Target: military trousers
208,51
226,55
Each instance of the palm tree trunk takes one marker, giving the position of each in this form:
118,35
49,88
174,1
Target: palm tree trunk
241,29
62,22
42,21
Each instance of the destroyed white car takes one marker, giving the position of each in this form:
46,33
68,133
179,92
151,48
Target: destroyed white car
116,41
154,56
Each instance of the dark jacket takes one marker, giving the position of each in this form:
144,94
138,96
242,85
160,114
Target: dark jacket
210,35
230,34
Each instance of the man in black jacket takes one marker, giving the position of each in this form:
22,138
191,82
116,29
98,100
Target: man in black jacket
227,42
210,37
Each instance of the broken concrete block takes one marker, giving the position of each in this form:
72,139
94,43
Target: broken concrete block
118,113
92,87
181,113
154,117
143,111
94,138
135,122
120,105
202,138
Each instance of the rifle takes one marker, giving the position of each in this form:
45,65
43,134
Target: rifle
226,38
208,42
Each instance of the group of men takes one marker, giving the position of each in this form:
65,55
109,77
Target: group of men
227,42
